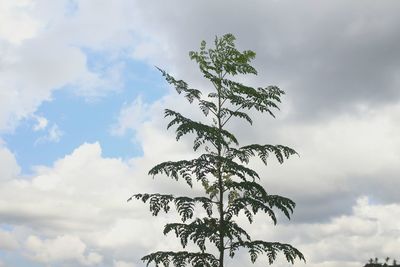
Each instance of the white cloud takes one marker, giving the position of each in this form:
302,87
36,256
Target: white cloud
16,23
41,124
123,264
368,232
46,52
7,241
62,248
53,135
71,210
349,153
131,117
7,159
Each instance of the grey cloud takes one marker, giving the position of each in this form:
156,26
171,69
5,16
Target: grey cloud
382,188
331,55
322,209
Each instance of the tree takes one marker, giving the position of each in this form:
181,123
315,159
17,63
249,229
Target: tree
230,187
375,262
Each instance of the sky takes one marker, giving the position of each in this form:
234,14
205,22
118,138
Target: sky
81,123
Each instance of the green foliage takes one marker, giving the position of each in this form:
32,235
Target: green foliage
230,187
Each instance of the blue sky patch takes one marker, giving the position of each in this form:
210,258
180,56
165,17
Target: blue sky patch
77,120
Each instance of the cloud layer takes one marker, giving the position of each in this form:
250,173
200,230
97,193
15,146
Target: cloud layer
338,62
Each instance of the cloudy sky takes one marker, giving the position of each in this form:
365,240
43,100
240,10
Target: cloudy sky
81,123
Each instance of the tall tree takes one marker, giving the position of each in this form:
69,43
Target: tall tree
231,188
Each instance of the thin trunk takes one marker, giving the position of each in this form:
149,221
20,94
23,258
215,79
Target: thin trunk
220,187
221,217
